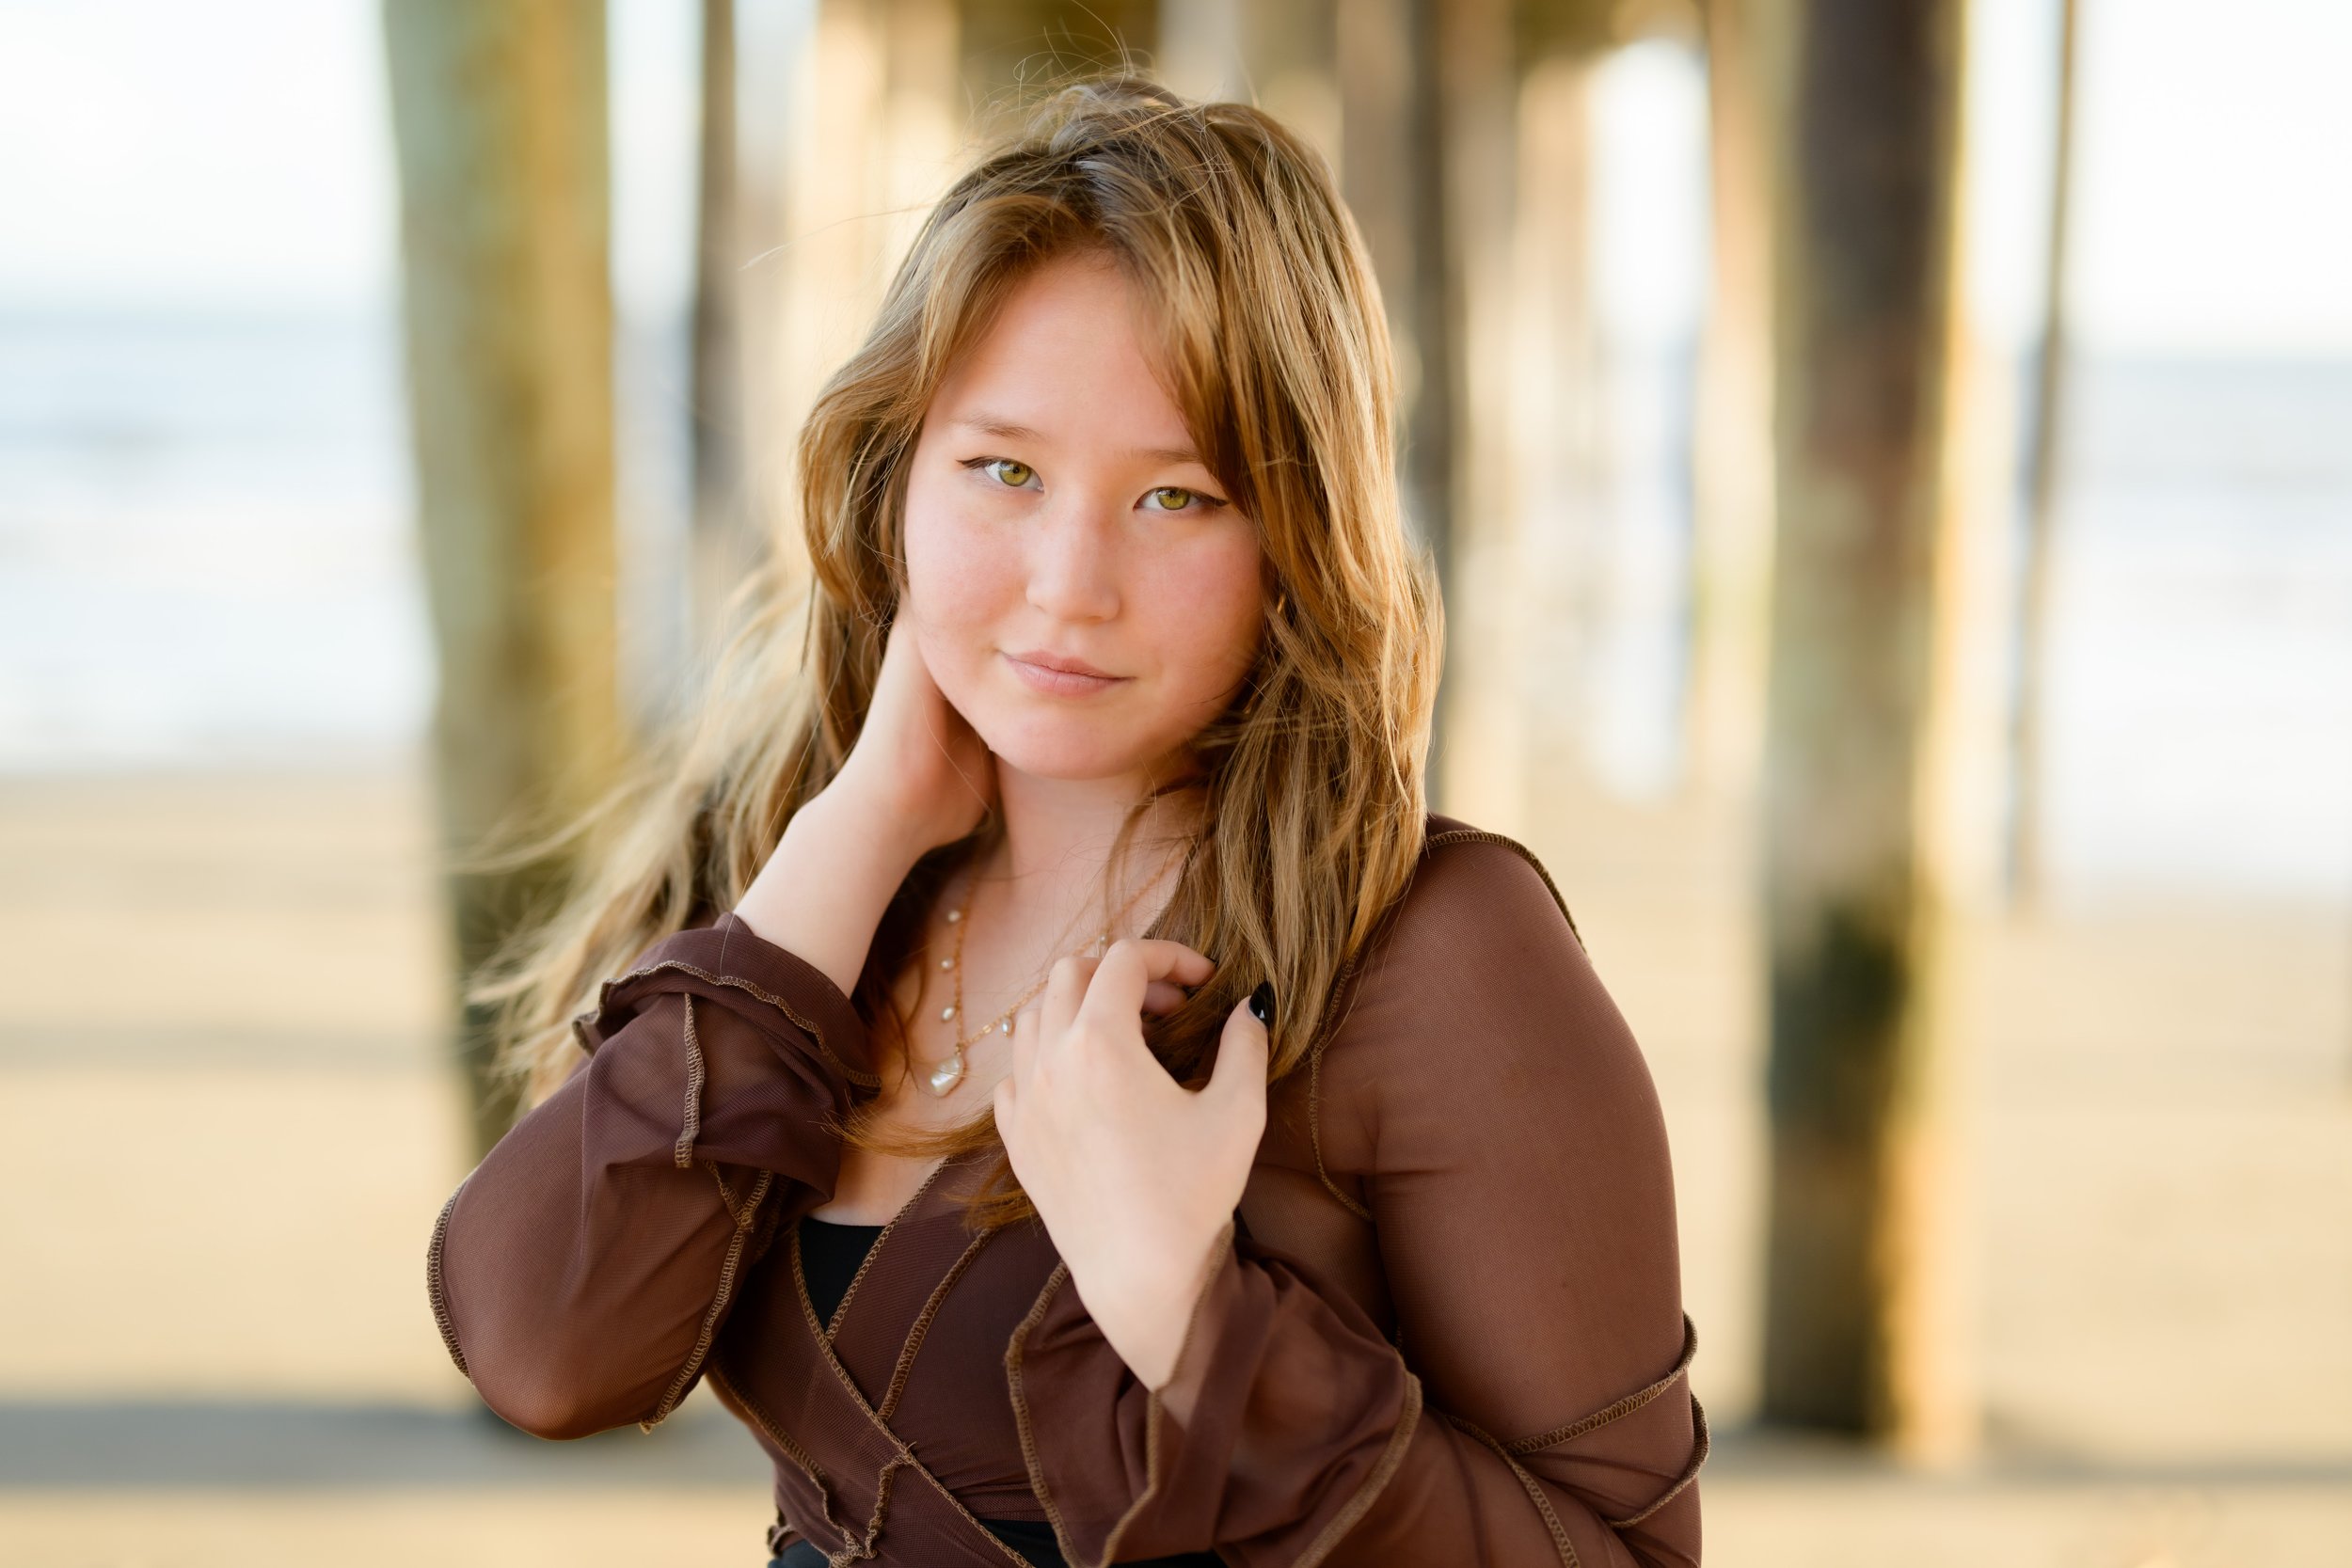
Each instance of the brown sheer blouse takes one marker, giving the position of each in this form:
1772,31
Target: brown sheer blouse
1447,1327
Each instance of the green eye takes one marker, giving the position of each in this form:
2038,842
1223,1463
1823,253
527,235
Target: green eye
1184,500
1013,475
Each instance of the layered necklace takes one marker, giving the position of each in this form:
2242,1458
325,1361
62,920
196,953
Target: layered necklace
944,1078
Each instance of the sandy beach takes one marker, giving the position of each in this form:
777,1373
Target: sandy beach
226,1127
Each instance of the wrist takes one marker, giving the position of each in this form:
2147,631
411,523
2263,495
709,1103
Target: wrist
861,827
823,890
893,799
1145,1308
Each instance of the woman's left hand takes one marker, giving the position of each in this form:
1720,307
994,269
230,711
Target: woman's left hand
1134,1175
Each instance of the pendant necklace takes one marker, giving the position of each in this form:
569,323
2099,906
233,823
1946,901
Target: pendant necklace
944,1078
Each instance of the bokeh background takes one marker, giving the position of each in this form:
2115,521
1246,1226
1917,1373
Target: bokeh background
2088,1297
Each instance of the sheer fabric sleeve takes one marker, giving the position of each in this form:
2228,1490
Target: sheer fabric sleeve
581,1272
1535,1409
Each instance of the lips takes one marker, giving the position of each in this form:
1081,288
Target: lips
1060,675
1045,660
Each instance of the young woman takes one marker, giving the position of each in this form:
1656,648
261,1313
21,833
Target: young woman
1031,1052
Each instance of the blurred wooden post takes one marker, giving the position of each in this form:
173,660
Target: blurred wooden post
726,541
1280,55
860,118
499,114
1415,102
1393,180
1014,49
1202,53
1731,474
1483,770
1556,409
2024,848
1866,180
1427,94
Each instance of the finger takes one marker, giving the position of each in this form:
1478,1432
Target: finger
1065,992
1002,1102
1024,1030
1162,997
1237,1083
1127,971
1172,961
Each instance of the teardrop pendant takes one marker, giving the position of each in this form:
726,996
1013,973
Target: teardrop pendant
947,1074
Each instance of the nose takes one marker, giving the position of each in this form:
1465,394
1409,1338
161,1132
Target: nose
1073,560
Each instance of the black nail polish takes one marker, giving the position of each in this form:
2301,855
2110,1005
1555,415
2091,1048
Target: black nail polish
1261,1003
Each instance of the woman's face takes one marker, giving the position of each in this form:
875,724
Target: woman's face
1056,515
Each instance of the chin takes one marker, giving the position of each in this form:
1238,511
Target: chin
1046,746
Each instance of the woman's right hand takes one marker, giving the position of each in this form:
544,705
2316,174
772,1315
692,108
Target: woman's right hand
918,776
918,764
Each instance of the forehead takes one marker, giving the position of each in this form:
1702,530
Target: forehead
1067,357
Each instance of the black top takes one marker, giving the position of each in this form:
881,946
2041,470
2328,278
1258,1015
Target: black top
830,1256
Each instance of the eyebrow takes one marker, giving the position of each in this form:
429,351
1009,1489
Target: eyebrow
1009,430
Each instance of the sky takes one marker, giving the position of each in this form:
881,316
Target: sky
235,155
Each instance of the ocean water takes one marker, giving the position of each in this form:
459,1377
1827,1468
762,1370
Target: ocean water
207,545
2199,693
206,554
207,559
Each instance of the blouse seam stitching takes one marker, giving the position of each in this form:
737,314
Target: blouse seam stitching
1013,1349
1155,1406
1699,1448
693,1125
1390,1457
957,1503
436,1286
1566,1547
775,1434
817,1034
1483,836
915,1335
833,1324
1623,1407
857,1549
719,1300
902,1453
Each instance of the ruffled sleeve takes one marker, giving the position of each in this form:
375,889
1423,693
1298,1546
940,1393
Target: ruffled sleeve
583,1270
1299,1410
1535,1408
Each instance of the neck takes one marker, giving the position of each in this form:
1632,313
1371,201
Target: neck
1058,833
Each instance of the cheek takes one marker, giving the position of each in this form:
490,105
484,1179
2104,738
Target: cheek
949,600
1207,617
956,582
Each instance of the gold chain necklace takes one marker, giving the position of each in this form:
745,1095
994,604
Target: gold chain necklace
944,1078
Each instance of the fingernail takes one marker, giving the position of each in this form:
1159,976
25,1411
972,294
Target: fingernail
1261,1003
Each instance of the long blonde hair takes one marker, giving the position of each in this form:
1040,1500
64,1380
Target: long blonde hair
1276,351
